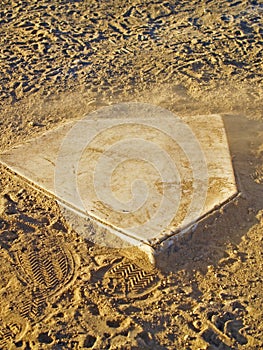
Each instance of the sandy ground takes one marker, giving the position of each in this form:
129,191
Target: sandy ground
62,59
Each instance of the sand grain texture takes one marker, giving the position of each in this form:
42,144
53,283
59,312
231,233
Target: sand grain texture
63,59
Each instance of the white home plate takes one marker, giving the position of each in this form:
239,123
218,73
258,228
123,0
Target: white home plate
134,170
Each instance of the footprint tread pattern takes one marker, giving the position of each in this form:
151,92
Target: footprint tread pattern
46,267
131,279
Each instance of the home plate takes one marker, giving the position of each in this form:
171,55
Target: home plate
132,173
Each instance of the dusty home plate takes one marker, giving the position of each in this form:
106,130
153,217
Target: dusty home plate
131,173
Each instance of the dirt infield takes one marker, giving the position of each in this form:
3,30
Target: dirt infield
63,59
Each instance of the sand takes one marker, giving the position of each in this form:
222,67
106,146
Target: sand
63,59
